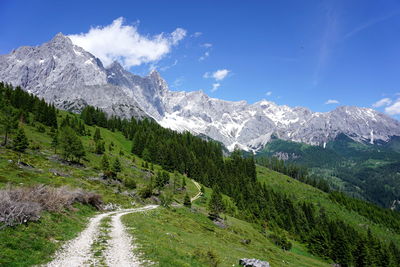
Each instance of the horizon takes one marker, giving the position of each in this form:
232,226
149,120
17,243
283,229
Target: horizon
357,68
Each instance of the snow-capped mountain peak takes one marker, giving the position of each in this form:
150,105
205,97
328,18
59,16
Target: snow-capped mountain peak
71,77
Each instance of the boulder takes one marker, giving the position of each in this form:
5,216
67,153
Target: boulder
253,263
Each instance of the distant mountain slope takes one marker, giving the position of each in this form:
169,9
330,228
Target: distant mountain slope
368,171
72,78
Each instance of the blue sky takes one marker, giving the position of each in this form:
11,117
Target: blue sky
298,53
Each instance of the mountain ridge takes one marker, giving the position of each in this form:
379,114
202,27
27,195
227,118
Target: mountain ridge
71,78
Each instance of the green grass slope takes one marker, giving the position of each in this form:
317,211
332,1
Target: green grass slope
305,193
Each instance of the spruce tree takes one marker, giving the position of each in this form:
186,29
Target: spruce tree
54,141
216,205
186,201
97,135
70,144
116,168
8,122
20,142
105,164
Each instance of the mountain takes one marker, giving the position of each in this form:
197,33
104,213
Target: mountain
71,78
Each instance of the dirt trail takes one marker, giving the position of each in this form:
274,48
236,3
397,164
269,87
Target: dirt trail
120,248
199,193
77,252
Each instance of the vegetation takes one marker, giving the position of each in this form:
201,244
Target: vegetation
339,231
365,171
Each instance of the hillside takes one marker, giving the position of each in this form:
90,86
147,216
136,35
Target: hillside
255,212
366,171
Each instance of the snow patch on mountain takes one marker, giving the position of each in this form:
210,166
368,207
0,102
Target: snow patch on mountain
71,78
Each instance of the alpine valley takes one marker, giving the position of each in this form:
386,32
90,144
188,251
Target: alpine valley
102,167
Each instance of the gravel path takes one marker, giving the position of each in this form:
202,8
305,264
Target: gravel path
77,252
199,193
120,248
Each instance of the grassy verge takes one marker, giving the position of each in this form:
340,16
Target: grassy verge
26,245
182,237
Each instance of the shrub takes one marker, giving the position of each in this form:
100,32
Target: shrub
281,241
130,183
20,205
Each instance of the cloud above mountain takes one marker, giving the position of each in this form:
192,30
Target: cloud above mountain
383,102
393,109
331,101
125,44
218,75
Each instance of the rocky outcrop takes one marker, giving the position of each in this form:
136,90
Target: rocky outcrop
253,263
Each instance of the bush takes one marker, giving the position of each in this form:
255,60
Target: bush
130,183
146,192
281,241
20,205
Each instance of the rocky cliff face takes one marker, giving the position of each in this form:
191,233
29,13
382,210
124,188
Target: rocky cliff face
72,78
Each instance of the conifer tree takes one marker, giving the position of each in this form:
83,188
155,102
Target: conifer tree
97,135
216,205
20,142
105,164
54,140
8,122
116,168
183,182
71,145
186,201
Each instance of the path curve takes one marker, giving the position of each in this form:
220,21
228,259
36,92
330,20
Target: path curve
199,193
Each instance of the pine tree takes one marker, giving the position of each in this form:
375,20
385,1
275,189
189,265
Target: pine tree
54,140
20,142
186,201
116,168
183,182
97,135
105,164
8,122
216,205
100,149
70,144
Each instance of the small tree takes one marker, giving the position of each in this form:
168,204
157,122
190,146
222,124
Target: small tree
54,140
186,201
100,147
20,143
183,182
8,121
175,181
97,135
216,205
105,164
116,168
71,145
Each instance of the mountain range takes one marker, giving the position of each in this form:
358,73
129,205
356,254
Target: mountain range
72,78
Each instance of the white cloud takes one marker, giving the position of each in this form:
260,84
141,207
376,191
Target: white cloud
196,34
218,75
394,109
331,101
204,56
215,87
269,93
125,44
383,102
207,45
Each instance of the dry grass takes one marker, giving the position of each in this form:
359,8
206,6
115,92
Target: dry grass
23,204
